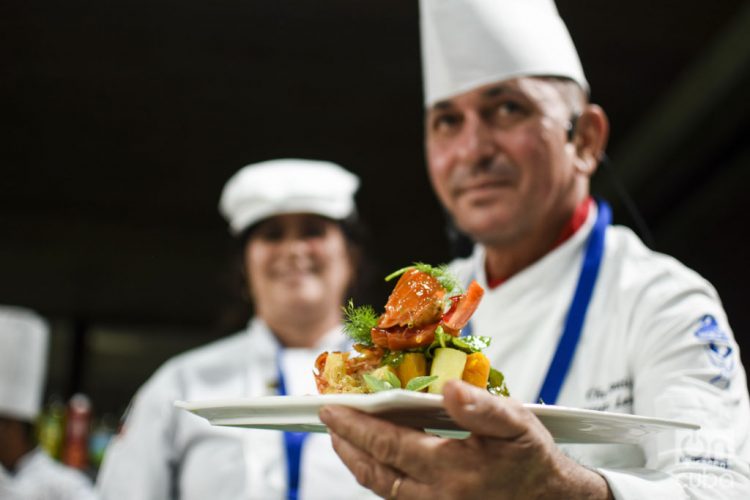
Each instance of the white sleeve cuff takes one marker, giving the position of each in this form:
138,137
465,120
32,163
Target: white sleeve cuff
637,484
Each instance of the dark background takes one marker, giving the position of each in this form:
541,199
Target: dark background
121,120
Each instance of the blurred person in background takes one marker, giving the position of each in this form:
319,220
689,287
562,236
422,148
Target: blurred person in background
296,221
26,471
581,313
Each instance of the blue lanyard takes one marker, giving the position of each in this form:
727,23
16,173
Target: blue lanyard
566,346
293,442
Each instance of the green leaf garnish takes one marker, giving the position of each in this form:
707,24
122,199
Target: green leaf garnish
358,322
471,343
377,384
392,379
440,273
419,383
393,358
467,344
496,383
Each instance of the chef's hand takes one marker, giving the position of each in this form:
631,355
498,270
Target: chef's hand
509,454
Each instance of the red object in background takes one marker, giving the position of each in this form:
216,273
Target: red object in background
78,425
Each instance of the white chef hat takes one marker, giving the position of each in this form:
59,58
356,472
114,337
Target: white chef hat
23,362
470,43
284,186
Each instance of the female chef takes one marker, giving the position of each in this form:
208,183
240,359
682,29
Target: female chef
294,218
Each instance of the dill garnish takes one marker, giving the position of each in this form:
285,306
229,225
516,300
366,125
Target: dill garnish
358,321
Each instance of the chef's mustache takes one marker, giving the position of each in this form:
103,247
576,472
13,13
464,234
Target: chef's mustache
485,170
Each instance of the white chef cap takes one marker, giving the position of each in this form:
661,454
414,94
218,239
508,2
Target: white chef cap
285,186
23,360
470,43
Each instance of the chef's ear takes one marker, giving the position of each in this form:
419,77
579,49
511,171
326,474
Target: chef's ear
589,132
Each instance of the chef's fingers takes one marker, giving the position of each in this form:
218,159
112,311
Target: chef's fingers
485,414
383,480
407,450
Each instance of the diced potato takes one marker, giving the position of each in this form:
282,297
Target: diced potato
477,370
448,364
413,365
335,368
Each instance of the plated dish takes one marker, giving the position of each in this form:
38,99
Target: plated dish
417,343
423,411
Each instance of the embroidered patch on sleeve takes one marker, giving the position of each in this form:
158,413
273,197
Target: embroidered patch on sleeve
718,349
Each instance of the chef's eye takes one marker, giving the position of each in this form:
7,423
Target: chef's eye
313,228
507,111
445,122
269,232
509,107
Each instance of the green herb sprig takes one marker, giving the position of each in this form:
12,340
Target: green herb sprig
358,322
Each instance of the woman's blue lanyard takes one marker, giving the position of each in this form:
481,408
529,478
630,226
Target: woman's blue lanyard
293,441
566,346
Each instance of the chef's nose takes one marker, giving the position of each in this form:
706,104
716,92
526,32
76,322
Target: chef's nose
295,244
476,142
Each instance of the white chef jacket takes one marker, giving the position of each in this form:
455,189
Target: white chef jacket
655,342
38,477
165,452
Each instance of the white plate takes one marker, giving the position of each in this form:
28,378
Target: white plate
420,410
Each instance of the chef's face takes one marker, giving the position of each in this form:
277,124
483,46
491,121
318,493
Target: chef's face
499,158
297,264
5,458
15,437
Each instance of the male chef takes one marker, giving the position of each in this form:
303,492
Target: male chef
581,313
